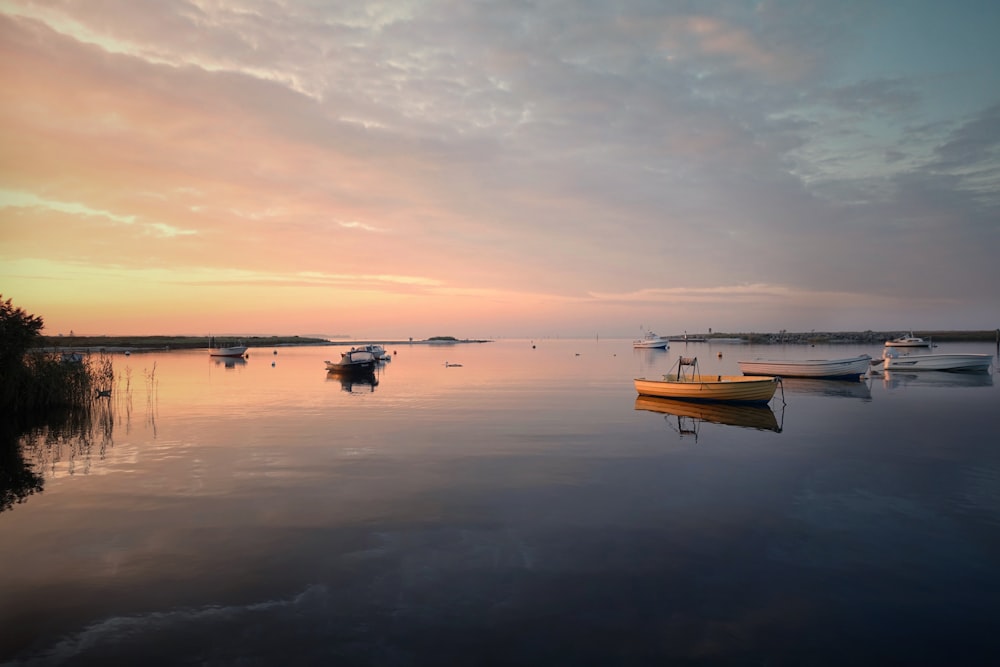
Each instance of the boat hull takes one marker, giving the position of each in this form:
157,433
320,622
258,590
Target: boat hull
939,362
354,361
828,369
724,388
367,367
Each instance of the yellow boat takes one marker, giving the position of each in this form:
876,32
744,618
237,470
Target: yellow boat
697,387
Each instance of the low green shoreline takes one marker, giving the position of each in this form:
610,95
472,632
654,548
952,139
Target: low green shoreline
150,343
852,337
170,342
138,343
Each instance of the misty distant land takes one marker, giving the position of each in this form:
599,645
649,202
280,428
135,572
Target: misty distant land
136,343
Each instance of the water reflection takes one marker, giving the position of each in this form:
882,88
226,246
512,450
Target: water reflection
18,479
684,417
356,382
839,388
650,359
897,380
67,440
229,362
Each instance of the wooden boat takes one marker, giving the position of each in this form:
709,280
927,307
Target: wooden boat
353,361
851,368
894,361
908,340
759,417
693,386
651,341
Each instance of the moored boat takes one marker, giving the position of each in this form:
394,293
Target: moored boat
908,340
962,362
650,340
698,387
352,361
378,352
850,368
237,350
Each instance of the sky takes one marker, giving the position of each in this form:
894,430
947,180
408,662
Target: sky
500,169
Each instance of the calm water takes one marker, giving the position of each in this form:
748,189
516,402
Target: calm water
523,508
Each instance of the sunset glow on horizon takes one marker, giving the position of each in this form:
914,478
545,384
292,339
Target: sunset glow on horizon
411,169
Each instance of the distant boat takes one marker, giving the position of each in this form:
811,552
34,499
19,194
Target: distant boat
651,341
851,368
696,387
909,340
894,361
377,351
353,361
237,350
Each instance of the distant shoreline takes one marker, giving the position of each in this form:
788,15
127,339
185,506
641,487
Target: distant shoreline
154,343
151,343
846,337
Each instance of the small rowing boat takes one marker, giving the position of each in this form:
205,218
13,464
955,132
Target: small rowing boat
693,386
840,369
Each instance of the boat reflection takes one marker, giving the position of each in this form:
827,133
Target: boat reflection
689,415
898,380
356,382
229,362
859,389
651,360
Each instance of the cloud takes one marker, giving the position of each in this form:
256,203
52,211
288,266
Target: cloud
560,149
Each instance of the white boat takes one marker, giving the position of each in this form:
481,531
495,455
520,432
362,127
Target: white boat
377,351
851,368
651,341
894,361
353,361
909,340
231,351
